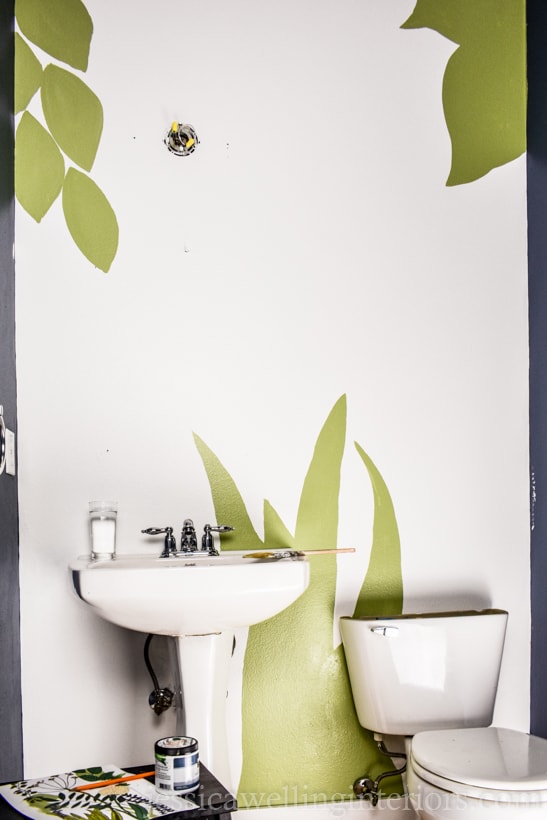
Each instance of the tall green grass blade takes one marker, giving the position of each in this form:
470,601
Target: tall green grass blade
382,589
229,507
276,534
297,702
301,738
317,521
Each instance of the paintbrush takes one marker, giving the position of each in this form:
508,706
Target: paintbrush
295,553
101,783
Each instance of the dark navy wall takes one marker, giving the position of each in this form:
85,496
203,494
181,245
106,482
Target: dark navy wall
11,747
537,274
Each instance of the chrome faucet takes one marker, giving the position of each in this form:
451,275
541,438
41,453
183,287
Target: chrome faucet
188,539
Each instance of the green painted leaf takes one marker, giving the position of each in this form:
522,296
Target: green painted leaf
39,167
276,534
317,521
28,74
296,694
484,88
296,698
73,113
382,589
62,28
90,219
229,507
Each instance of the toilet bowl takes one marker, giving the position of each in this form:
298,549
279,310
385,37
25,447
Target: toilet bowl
477,773
432,678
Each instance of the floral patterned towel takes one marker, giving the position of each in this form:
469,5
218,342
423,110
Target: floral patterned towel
55,797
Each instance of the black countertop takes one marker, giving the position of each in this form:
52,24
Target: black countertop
211,798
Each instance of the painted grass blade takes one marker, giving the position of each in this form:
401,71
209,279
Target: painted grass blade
382,589
229,506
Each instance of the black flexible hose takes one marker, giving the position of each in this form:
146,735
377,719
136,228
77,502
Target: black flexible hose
160,699
148,663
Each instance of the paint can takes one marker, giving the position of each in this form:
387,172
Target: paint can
177,765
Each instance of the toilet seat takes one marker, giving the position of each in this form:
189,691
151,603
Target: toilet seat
487,763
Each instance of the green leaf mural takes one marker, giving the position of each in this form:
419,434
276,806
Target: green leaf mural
62,28
302,741
73,113
382,590
484,88
74,116
276,534
229,506
90,219
28,71
39,167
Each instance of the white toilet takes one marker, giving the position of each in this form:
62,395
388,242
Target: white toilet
432,678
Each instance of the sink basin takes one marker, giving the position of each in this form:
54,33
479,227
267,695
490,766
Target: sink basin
198,600
192,595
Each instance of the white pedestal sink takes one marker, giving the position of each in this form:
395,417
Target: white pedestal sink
199,600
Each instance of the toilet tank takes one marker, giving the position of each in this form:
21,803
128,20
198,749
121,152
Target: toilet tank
410,673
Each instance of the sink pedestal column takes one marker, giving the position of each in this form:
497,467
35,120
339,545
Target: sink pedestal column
204,662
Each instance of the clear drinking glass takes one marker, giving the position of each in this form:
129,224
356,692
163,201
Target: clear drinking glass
102,529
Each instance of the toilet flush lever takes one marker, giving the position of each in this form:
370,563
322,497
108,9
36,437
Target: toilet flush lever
386,631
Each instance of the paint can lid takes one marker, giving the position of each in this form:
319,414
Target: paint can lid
176,745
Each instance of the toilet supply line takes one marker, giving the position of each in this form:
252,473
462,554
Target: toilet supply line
365,788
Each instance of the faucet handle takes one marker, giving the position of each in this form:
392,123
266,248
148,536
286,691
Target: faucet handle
207,539
170,545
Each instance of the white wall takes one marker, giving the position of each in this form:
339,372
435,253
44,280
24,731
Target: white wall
308,248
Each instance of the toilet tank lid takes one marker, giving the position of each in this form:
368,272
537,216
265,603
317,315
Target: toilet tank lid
490,758
412,616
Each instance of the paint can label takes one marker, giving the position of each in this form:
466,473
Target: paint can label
177,765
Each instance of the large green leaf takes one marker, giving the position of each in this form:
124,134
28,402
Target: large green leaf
382,589
28,74
276,534
73,113
301,738
317,521
293,698
484,88
229,507
39,167
90,219
62,28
